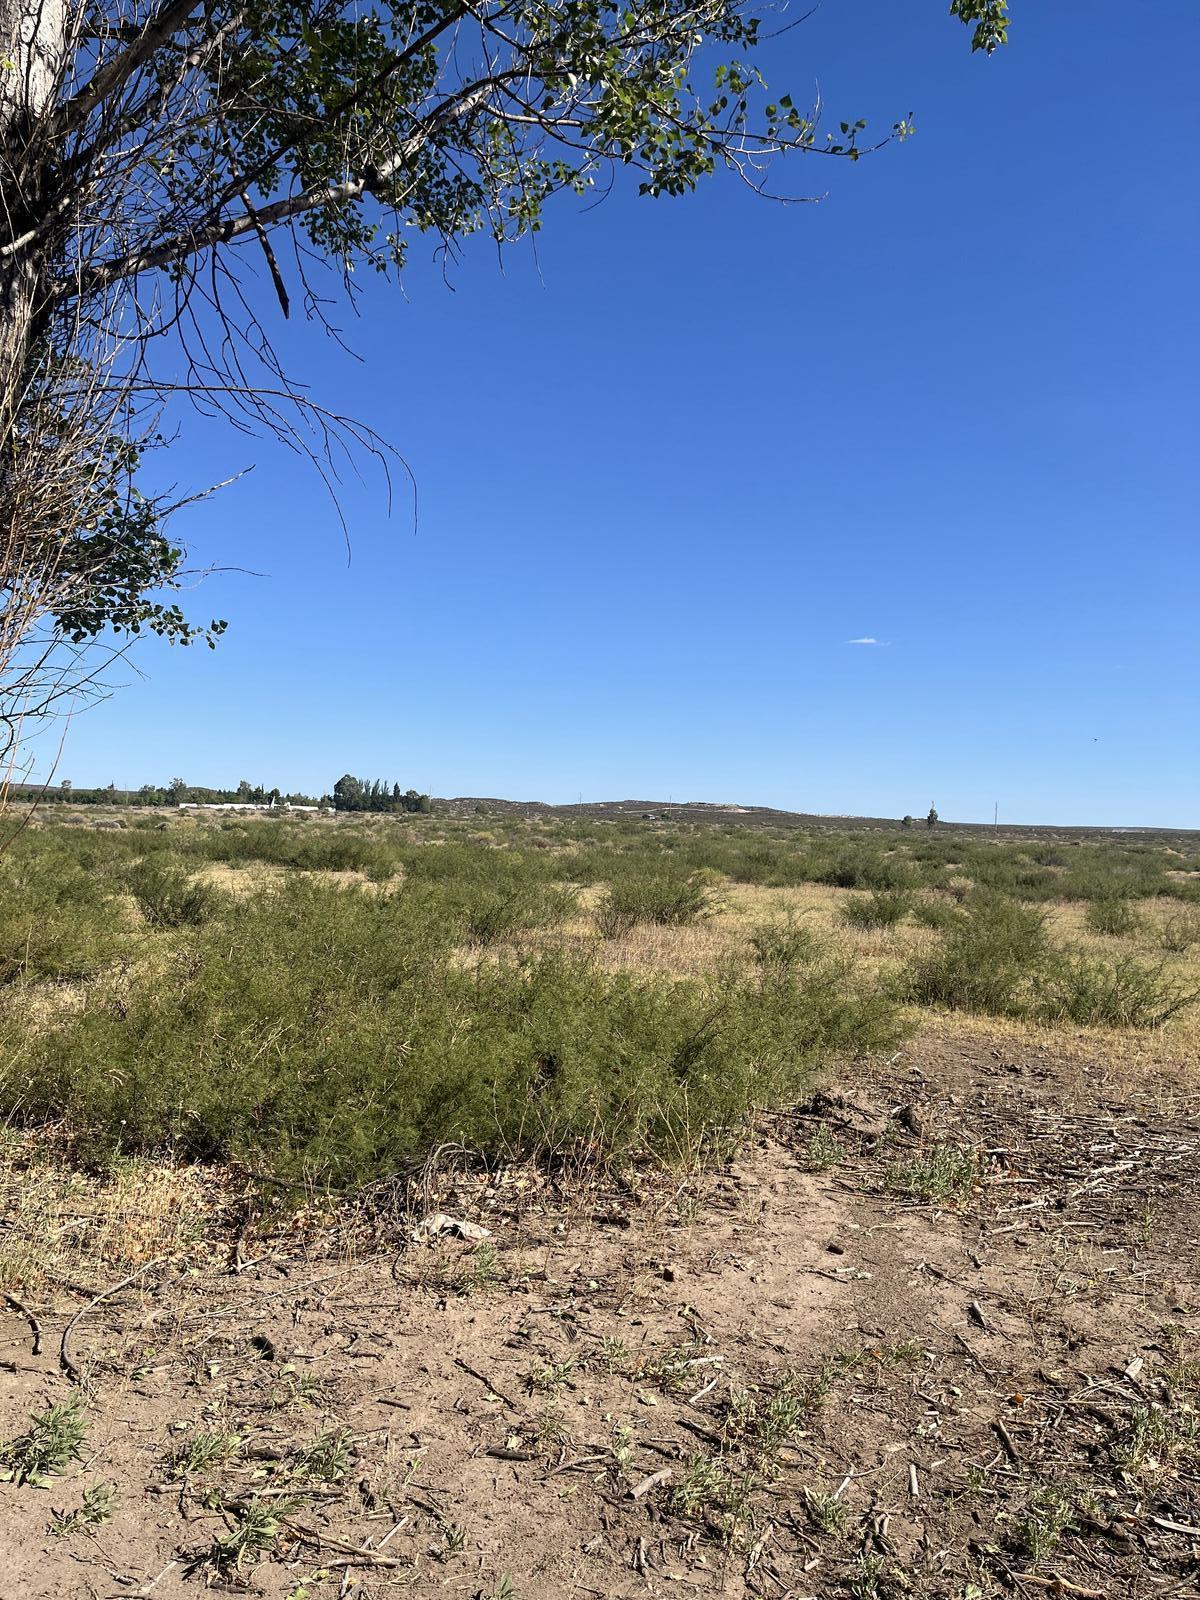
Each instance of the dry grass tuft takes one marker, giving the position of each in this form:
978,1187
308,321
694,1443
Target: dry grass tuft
63,1224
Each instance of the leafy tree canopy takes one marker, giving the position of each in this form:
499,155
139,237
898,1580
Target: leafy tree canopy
153,153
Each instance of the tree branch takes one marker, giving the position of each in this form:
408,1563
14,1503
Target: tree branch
108,78
224,230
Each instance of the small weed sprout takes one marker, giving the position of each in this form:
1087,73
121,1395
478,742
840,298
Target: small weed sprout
100,1501
826,1511
327,1459
760,1424
255,1528
204,1450
613,1356
622,1445
54,1440
675,1368
869,1579
485,1266
906,1352
824,1150
1182,1375
946,1173
550,1426
548,1379
1155,1438
296,1390
701,1488
1047,1515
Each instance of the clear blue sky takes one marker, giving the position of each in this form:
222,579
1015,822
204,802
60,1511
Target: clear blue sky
672,461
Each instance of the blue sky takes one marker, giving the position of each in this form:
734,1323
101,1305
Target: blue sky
670,462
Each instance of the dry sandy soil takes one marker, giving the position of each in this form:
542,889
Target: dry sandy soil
855,1363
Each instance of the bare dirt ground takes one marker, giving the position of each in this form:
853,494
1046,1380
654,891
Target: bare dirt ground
936,1333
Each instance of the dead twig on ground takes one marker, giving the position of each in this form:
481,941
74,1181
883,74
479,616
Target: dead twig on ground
487,1383
65,1358
29,1318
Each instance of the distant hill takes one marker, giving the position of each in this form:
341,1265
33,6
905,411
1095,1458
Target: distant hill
713,814
693,813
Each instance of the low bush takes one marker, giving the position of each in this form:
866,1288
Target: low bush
939,913
1112,916
170,898
493,915
885,908
1180,931
865,868
669,901
997,958
332,1033
784,943
985,960
58,922
1122,993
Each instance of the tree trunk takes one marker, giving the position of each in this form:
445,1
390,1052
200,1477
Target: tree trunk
33,50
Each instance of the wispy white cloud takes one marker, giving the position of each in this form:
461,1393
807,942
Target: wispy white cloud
878,642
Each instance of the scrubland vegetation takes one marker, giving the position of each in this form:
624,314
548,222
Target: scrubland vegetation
328,1001
392,1195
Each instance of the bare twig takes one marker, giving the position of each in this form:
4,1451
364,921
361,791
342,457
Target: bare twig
64,1350
29,1318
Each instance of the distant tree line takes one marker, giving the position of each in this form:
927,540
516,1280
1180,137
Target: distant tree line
177,792
364,794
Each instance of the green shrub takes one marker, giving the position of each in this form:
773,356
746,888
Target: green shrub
493,915
169,898
58,922
883,909
939,914
669,901
1121,993
331,1033
986,959
1112,916
787,942
864,868
1181,931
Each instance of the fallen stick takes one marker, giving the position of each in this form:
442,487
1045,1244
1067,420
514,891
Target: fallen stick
1010,1448
640,1490
578,1461
361,1555
368,1558
149,1588
1175,1527
64,1349
487,1383
29,1318
987,1371
1060,1585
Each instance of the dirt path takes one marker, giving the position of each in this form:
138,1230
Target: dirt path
937,1334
